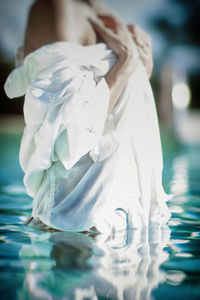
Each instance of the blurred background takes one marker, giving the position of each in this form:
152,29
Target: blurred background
174,27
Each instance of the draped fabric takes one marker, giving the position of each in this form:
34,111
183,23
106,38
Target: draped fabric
85,167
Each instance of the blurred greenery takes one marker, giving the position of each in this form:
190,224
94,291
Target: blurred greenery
180,30
8,106
179,26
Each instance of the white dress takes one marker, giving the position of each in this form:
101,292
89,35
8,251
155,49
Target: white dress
83,167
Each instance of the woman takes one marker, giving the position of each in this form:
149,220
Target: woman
91,148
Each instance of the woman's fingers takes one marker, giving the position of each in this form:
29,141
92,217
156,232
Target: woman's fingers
120,42
107,36
113,22
143,42
139,35
104,32
108,22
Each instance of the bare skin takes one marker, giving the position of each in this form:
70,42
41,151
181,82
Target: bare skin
87,23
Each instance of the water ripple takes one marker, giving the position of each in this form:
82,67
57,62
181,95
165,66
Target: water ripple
159,263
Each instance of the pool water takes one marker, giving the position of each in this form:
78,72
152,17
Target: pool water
159,263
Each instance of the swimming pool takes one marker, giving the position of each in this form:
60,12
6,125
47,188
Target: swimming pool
161,263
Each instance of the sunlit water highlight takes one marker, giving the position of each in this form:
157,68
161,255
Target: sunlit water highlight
159,263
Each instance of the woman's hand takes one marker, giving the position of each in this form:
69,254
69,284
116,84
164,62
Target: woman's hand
144,46
119,39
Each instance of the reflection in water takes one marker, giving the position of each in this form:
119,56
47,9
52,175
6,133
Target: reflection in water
77,266
44,265
179,184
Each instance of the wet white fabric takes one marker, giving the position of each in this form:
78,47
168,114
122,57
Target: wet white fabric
83,167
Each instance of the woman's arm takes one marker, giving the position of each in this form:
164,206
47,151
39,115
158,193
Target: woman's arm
144,46
139,36
118,76
123,46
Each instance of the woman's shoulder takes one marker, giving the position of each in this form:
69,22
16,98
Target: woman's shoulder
52,21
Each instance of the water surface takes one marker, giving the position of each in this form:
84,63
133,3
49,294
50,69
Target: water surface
159,263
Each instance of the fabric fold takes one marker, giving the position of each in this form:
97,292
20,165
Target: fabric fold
83,165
